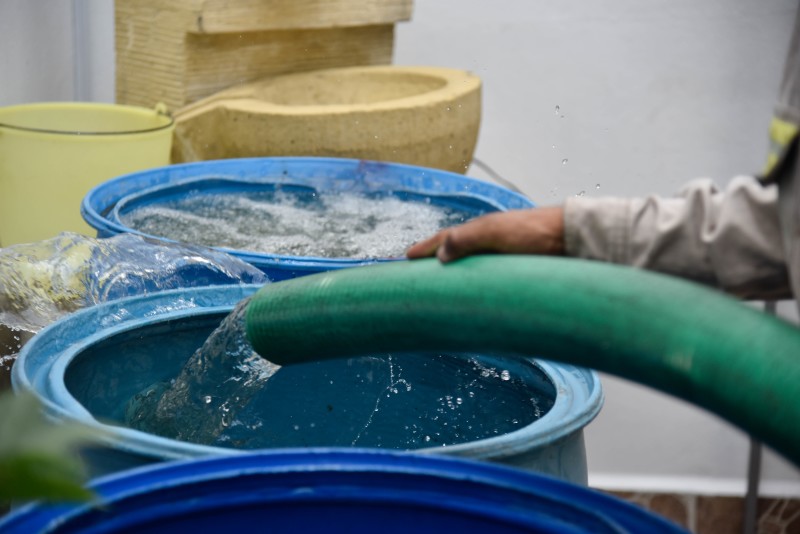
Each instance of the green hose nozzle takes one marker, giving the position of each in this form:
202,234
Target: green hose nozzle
672,335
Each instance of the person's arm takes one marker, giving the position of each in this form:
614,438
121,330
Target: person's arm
532,231
729,240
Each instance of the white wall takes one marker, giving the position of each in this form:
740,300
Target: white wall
650,93
38,51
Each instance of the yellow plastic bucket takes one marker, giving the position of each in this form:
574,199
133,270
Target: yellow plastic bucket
51,154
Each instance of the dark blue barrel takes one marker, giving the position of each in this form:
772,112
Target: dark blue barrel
332,491
470,196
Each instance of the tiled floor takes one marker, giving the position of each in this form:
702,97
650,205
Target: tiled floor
720,515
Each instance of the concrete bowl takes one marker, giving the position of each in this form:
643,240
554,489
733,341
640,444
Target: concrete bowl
426,116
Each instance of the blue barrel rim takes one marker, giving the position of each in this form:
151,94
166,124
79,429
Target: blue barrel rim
578,401
95,211
471,483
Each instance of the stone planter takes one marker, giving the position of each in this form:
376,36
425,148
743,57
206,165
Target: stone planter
423,116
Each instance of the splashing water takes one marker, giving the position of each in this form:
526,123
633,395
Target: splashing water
220,377
297,223
226,395
42,281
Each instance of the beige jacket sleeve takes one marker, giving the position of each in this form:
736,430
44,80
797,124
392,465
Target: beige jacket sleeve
728,239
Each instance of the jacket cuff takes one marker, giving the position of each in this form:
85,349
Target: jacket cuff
597,228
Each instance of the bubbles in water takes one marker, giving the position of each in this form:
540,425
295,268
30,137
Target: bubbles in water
505,375
597,186
564,161
330,225
581,193
558,109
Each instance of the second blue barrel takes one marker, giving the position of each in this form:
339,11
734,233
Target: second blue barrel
395,203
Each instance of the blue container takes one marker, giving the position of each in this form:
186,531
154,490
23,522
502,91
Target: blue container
88,365
338,491
323,174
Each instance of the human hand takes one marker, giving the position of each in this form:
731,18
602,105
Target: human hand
530,231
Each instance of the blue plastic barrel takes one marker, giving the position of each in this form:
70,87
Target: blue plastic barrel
322,174
338,491
87,366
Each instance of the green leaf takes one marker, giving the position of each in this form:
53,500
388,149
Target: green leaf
41,477
38,459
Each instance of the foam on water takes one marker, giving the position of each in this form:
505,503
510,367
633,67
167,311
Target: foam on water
297,223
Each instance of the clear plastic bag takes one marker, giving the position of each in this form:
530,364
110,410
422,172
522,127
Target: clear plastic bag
42,281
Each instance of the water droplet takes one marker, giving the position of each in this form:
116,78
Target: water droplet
427,438
564,161
558,109
505,375
582,193
597,186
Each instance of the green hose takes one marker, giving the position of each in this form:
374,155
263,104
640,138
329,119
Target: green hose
674,336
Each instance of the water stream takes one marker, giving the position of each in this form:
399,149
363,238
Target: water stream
226,395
